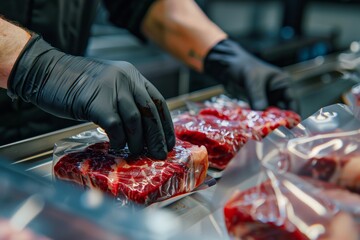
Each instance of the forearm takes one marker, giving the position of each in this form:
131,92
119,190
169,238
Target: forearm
181,28
12,41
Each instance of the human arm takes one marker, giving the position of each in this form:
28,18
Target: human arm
119,99
181,28
184,30
12,41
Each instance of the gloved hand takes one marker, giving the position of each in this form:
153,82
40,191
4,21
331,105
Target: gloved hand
119,99
265,85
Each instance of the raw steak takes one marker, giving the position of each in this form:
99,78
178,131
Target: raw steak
140,179
262,122
221,138
263,213
341,170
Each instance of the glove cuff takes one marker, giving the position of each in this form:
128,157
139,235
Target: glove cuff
19,83
223,62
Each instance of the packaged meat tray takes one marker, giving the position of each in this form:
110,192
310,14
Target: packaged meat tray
224,125
264,203
299,183
326,146
260,122
286,208
221,138
87,161
35,208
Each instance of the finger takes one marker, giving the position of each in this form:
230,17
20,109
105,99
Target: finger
164,115
102,111
131,118
113,127
152,127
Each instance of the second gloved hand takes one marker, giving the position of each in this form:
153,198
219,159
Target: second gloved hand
265,85
119,99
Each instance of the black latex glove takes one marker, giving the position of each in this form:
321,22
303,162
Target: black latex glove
119,99
265,85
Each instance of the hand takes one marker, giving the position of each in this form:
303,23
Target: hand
119,99
265,85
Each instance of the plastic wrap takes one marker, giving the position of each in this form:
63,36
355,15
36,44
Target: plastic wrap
34,208
221,138
224,125
286,207
87,160
352,98
265,193
261,123
261,202
325,146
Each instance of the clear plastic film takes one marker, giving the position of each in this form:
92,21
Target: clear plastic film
264,192
284,206
224,125
87,160
261,123
325,146
222,138
352,98
259,202
33,208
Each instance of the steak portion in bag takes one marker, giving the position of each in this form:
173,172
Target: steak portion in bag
284,210
139,179
221,138
261,122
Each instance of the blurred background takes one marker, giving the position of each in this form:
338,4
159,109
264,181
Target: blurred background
313,39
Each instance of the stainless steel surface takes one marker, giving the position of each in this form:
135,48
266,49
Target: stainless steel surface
28,149
322,81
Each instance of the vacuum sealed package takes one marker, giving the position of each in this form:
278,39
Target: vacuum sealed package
325,146
261,123
294,184
87,160
222,138
264,203
286,207
34,208
224,125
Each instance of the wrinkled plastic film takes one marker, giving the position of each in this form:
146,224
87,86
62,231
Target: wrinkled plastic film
283,203
34,209
224,125
352,98
130,179
221,138
262,203
284,207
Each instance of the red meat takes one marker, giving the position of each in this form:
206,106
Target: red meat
139,179
224,130
341,170
221,138
262,212
262,122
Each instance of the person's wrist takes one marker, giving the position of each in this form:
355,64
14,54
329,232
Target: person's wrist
21,80
13,41
226,61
